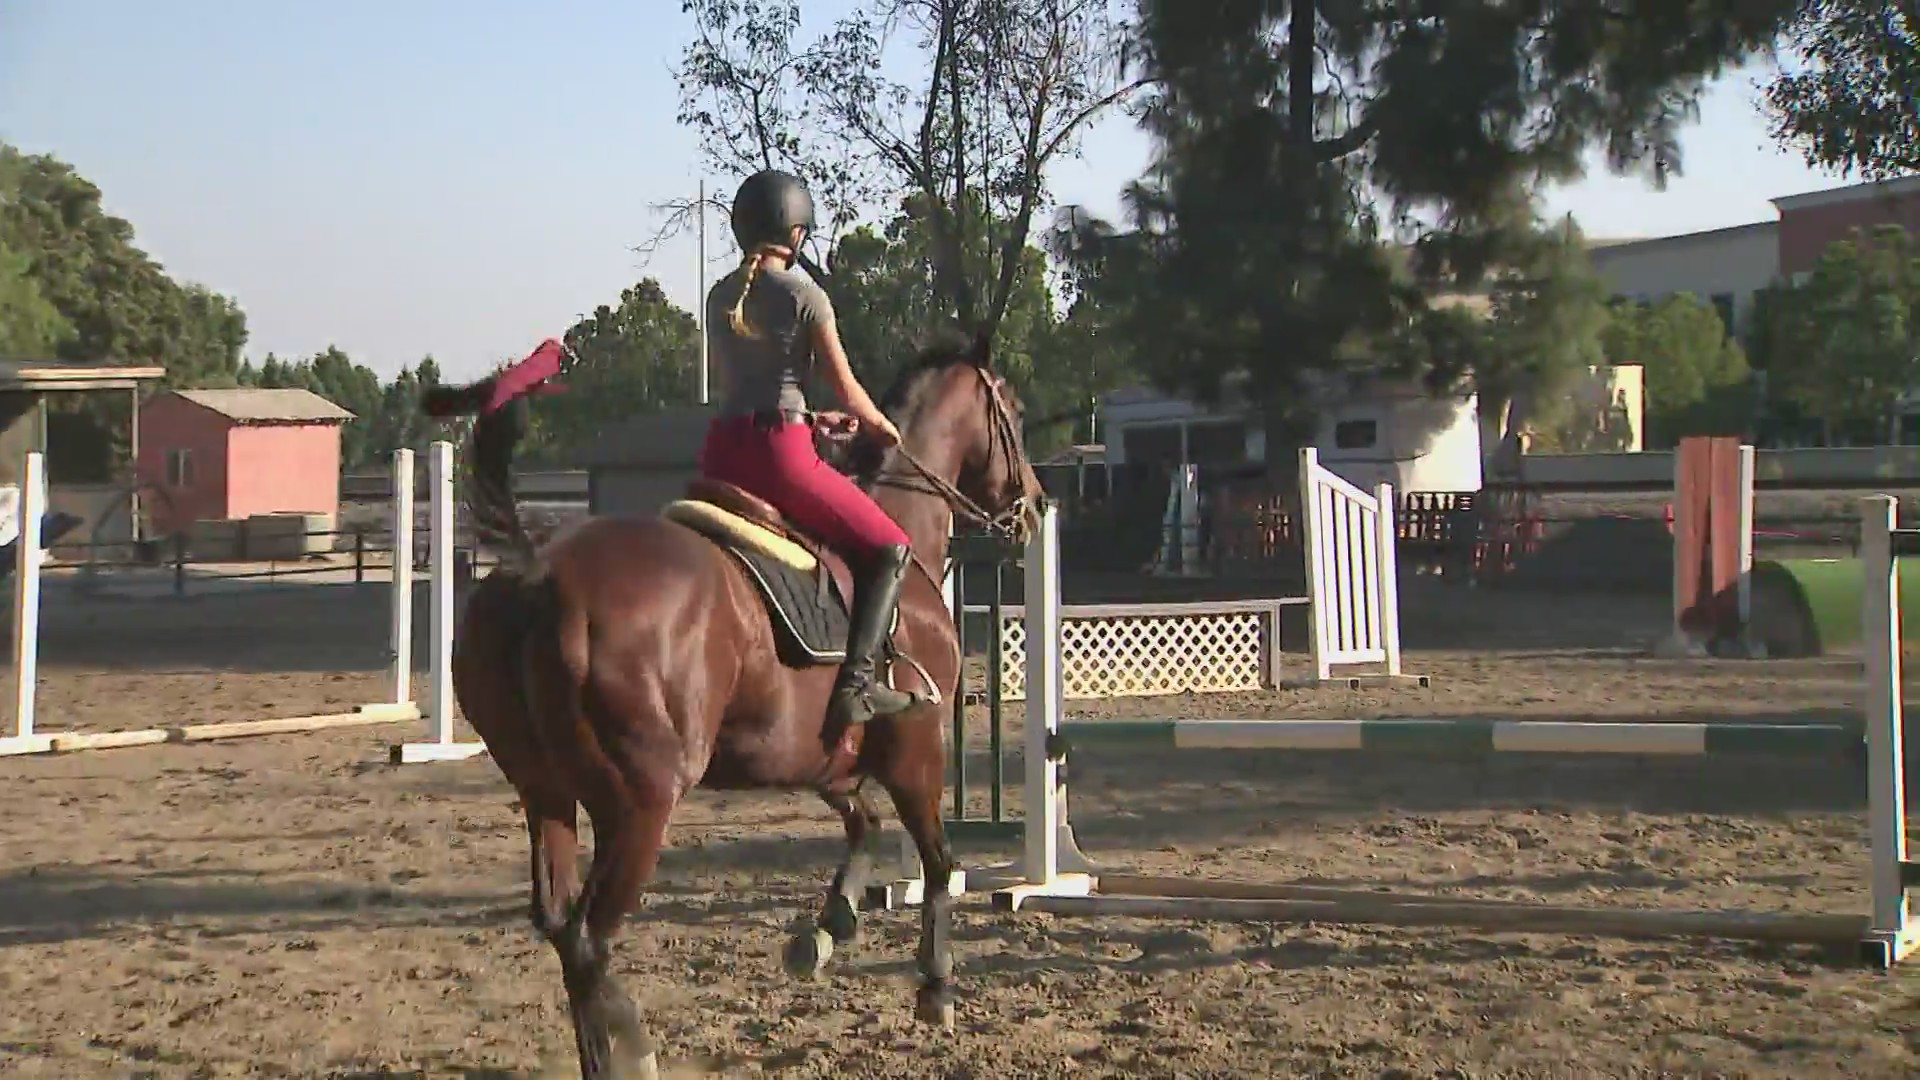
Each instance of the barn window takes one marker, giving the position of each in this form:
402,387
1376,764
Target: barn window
179,468
1355,434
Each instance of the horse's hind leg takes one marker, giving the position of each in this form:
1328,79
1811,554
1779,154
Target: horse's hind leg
553,837
839,920
626,848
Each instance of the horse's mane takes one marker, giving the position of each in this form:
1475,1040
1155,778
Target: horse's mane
905,401
908,396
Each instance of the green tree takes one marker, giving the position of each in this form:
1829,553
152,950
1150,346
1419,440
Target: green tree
1853,100
890,308
635,357
1845,344
399,422
1300,144
1089,351
333,375
1078,359
1696,373
120,303
110,303
884,299
1768,335
1545,321
1007,88
29,325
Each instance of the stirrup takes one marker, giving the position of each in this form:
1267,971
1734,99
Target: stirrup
852,702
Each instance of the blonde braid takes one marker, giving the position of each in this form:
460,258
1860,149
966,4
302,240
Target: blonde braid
737,315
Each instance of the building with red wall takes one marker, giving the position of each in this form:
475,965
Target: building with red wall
1728,266
1811,222
215,455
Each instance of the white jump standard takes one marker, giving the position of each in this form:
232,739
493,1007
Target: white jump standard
441,745
26,610
25,738
1895,932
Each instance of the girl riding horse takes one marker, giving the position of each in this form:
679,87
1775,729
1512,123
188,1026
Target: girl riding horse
769,328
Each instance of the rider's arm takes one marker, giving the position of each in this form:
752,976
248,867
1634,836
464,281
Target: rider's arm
816,312
718,385
839,373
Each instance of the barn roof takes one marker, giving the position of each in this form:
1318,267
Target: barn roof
287,405
18,373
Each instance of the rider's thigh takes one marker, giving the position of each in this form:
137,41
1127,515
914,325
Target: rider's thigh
824,502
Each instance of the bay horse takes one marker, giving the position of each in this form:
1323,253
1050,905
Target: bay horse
629,660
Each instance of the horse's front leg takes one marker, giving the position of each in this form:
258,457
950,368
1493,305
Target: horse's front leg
839,920
915,776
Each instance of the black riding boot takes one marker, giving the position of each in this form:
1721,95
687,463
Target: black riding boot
859,695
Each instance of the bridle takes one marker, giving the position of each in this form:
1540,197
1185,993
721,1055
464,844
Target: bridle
1013,523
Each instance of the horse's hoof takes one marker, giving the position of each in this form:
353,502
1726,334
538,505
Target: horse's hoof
842,922
808,953
935,1007
638,1067
644,1067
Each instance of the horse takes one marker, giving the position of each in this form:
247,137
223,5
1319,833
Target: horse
629,660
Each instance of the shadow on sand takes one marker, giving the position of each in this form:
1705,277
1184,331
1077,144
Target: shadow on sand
59,902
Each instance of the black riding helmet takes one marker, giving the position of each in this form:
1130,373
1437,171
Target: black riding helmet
768,206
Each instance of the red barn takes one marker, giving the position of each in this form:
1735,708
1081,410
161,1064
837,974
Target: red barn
229,454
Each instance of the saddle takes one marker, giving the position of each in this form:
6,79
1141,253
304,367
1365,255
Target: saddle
806,586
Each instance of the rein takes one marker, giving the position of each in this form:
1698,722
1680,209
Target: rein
1004,443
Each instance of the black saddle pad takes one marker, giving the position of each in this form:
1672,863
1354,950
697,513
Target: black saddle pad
810,618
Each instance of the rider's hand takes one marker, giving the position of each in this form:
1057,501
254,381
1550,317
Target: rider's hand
880,430
834,424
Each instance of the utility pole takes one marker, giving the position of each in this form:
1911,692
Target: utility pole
700,299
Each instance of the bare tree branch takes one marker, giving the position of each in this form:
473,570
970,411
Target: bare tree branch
1038,72
678,215
1088,114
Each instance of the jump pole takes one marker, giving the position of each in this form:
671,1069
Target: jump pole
439,711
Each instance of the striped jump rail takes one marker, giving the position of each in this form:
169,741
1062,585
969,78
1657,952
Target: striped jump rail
1448,736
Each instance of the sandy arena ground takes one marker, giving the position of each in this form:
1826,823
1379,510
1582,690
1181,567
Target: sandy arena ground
294,907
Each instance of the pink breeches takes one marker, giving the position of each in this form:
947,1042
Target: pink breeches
780,465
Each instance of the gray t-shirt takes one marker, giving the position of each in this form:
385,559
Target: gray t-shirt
765,372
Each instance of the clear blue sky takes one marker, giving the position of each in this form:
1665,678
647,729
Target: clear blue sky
405,177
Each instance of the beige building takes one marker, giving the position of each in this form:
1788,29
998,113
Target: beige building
1722,266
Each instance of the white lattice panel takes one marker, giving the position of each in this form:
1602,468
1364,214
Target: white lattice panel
1144,655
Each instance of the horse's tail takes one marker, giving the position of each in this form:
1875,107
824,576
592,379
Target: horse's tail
487,481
